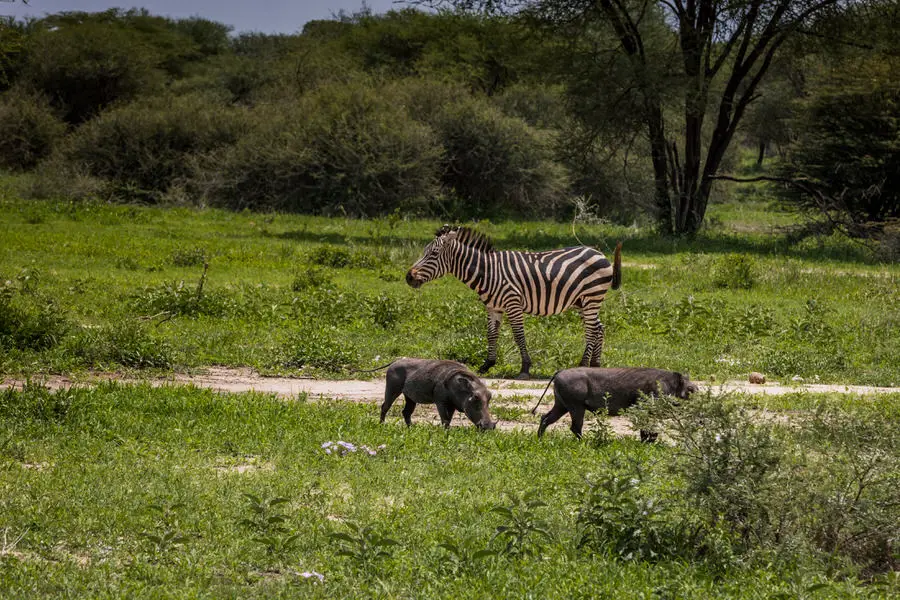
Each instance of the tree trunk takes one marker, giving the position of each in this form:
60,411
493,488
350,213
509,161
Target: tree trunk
762,153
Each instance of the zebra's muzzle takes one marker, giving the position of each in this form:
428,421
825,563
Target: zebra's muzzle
413,280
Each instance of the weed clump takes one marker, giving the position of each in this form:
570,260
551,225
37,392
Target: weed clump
27,320
339,257
189,257
320,349
734,271
312,278
129,344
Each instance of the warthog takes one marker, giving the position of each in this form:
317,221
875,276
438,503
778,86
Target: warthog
449,385
594,388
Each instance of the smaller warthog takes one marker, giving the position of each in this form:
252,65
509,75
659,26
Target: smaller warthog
449,385
593,388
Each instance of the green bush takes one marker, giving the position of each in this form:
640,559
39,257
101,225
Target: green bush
29,129
492,162
734,271
128,343
339,257
28,321
310,279
344,148
87,67
142,148
320,348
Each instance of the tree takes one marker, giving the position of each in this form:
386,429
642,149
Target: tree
725,47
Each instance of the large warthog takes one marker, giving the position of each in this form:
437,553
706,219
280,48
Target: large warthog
449,385
593,388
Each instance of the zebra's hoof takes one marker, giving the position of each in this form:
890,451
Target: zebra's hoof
486,367
523,376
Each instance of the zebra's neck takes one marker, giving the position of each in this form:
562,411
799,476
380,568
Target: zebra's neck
468,265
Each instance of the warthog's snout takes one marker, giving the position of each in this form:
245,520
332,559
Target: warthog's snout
488,425
413,279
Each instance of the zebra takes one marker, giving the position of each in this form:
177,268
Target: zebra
515,283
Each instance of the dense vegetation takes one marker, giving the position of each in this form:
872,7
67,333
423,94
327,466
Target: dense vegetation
453,114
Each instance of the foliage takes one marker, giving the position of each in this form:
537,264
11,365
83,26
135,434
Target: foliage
29,130
266,522
363,545
522,532
129,343
847,143
735,271
28,321
145,147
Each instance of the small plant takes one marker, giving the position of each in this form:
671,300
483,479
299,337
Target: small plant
189,257
599,432
619,517
461,559
385,310
36,402
311,278
734,271
320,349
266,521
521,526
336,257
166,535
362,544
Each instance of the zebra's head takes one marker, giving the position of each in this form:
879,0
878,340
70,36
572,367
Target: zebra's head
435,259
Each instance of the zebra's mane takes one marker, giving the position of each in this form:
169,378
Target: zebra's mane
468,237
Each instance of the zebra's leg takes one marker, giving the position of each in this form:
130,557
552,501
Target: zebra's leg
593,335
516,321
494,317
598,348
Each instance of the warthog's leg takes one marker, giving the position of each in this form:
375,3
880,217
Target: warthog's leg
392,389
577,414
446,412
552,417
494,317
408,411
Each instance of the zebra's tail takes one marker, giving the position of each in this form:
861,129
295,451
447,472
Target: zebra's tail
617,267
541,399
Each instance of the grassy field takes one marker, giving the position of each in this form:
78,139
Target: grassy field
131,491
127,490
119,287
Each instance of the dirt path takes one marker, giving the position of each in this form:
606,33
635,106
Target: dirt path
507,393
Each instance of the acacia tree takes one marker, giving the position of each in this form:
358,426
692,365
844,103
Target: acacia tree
725,46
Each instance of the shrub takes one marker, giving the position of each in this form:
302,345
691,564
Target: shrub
341,148
339,257
734,271
311,279
86,67
143,148
128,343
189,257
29,322
494,162
320,348
385,310
29,129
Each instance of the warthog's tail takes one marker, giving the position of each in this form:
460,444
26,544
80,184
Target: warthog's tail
541,399
375,369
617,267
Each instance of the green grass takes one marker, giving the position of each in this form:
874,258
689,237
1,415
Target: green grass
80,473
124,281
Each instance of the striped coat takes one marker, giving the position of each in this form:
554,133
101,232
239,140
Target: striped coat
516,283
